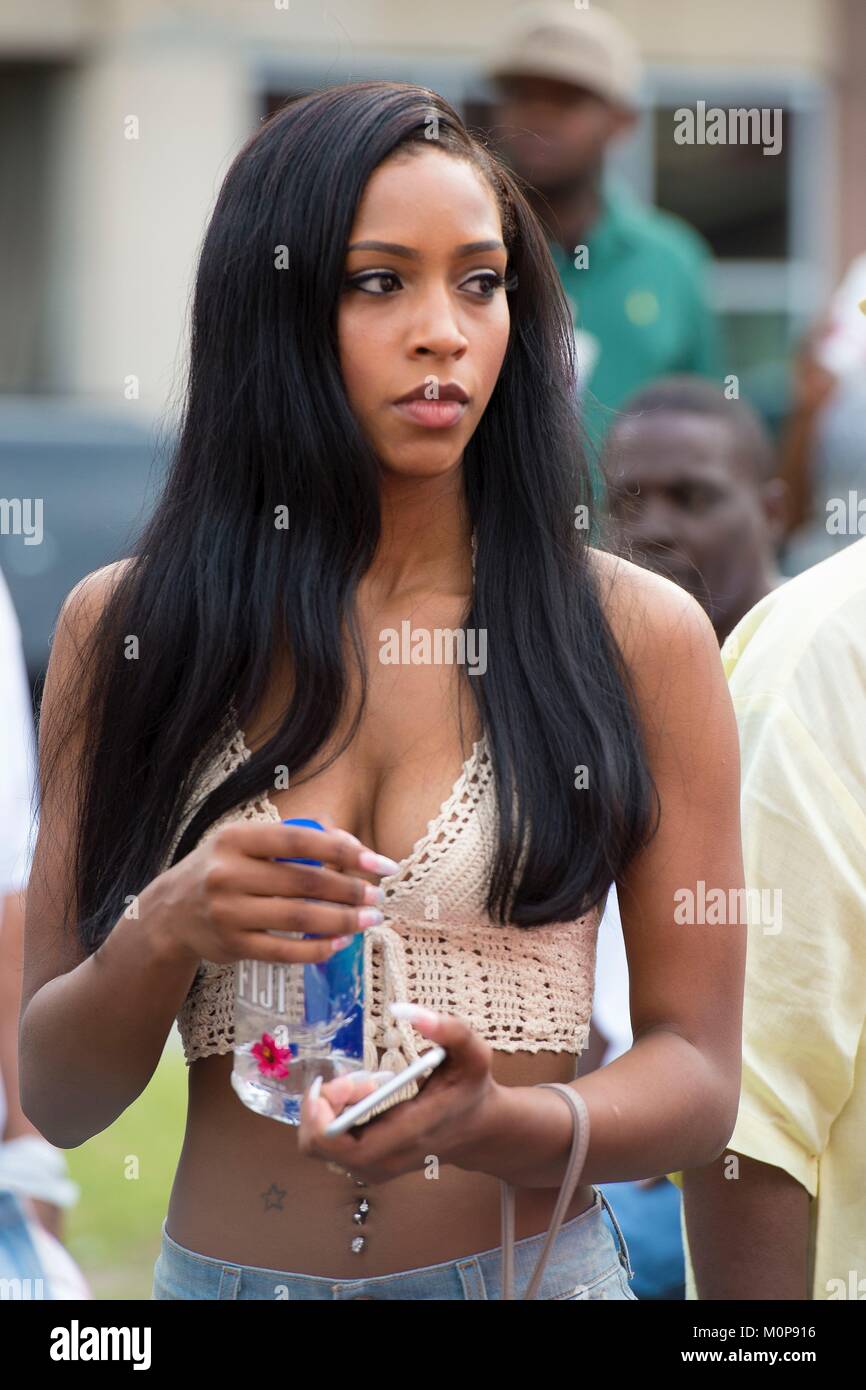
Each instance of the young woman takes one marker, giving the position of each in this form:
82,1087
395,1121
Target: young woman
381,391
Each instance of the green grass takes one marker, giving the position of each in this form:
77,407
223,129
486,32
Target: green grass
125,1175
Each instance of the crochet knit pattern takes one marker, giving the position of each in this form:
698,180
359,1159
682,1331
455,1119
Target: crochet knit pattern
522,989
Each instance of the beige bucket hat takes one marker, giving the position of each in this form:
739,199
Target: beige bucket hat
587,47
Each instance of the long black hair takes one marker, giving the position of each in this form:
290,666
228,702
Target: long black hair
215,590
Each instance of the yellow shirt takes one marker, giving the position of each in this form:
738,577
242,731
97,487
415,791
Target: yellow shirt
796,667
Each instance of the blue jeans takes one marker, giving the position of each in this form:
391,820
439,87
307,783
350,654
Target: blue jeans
21,1272
650,1217
585,1263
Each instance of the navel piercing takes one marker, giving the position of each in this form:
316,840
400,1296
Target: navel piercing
359,1215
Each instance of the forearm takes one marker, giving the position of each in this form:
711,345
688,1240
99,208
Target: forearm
748,1230
657,1108
91,1039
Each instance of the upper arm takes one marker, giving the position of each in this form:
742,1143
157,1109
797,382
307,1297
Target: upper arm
685,975
51,944
747,1231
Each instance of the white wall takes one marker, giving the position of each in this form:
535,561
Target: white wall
131,212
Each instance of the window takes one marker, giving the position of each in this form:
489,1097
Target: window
736,196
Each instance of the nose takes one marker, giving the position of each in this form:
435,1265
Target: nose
435,330
654,533
653,524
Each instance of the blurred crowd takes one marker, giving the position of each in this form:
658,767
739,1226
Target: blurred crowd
696,485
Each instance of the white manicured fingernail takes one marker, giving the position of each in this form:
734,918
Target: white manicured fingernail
414,1013
313,1093
378,864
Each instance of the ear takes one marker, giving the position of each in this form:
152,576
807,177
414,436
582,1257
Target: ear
623,119
775,497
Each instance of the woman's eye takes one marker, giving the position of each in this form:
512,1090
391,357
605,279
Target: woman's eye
696,498
490,281
362,282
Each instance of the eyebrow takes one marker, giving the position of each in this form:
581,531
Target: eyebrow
392,248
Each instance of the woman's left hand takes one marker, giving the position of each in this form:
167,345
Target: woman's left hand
451,1114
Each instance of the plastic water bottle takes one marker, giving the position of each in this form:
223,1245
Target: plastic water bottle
294,1022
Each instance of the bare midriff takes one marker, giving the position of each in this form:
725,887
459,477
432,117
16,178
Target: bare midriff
244,1194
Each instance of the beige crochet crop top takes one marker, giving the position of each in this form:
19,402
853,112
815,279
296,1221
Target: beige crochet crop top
522,989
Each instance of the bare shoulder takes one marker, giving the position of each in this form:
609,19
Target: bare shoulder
661,630
79,613
86,600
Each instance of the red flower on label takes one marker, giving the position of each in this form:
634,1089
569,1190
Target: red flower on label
272,1059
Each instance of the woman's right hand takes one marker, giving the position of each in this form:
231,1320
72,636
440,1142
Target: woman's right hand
223,899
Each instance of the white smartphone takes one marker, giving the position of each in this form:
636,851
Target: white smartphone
426,1062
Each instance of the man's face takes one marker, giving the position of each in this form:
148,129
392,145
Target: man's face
552,132
685,504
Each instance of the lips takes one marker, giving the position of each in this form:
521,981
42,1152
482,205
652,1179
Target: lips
451,391
435,414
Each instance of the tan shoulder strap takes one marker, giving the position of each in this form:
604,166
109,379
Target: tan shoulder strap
576,1161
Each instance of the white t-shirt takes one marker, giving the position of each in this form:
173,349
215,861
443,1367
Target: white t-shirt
842,349
610,1007
17,753
17,765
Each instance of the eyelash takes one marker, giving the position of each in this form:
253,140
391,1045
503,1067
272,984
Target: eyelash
356,282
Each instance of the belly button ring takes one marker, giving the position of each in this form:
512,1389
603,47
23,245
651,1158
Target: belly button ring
359,1216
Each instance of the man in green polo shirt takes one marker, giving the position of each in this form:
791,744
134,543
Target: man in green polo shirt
567,82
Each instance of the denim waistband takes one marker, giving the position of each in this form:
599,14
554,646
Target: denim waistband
584,1255
625,1261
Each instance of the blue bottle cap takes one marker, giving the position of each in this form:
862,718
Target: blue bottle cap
314,825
